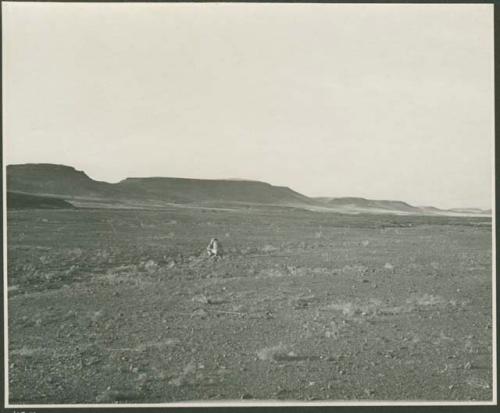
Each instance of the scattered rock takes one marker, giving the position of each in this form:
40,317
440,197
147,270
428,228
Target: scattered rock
96,316
216,300
357,269
151,266
181,379
200,313
270,353
426,300
301,302
271,272
111,396
348,309
201,298
478,382
369,392
269,248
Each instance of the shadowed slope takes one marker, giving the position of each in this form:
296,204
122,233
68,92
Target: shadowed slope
25,201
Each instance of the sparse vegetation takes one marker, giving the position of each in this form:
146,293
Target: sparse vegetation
121,306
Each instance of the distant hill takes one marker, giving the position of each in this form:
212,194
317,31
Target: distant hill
470,210
181,190
60,180
24,201
369,204
362,205
67,183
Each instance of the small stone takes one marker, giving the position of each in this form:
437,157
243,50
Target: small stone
200,313
151,266
203,299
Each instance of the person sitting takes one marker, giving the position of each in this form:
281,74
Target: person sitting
214,249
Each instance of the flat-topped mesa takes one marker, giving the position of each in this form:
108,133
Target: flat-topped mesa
65,181
44,168
53,179
169,178
363,202
188,190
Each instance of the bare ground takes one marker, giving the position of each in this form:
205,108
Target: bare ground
122,306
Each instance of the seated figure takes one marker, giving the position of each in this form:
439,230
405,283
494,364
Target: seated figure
214,249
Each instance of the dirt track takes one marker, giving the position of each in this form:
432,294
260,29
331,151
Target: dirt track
122,306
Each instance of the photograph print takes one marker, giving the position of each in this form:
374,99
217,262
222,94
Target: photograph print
248,204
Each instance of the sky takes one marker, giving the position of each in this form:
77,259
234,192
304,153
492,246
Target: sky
377,101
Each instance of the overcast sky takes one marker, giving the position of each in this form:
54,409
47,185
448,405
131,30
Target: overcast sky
378,101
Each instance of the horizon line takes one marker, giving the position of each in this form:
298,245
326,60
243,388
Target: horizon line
490,209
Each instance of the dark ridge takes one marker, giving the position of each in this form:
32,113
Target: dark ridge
50,179
69,183
184,190
25,201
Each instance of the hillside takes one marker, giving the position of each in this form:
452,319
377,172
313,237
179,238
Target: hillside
24,201
369,204
181,190
56,180
67,183
363,205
